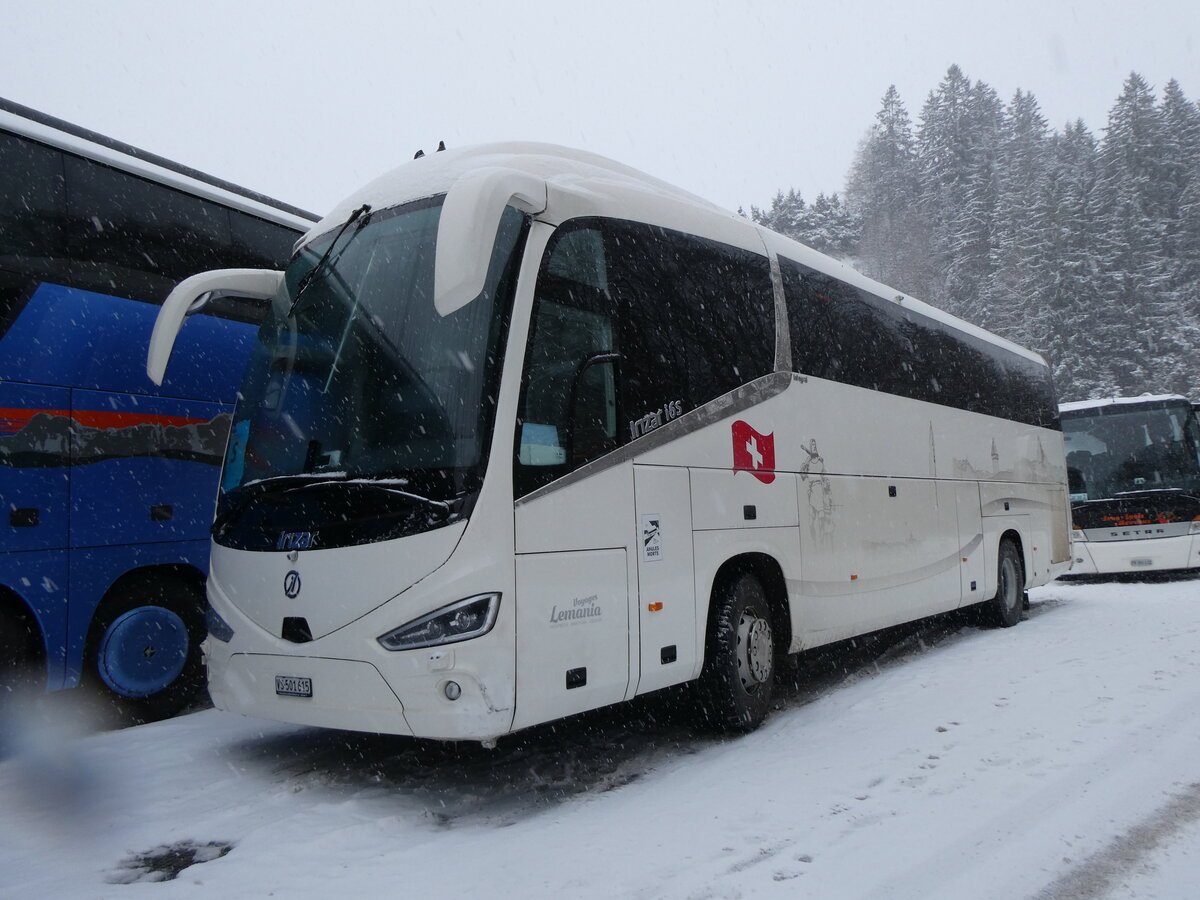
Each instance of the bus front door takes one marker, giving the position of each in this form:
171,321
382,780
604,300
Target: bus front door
574,642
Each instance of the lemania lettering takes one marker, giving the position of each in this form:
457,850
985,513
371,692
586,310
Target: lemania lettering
581,608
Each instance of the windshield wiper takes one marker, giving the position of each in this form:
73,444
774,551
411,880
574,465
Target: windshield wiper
306,280
237,499
377,485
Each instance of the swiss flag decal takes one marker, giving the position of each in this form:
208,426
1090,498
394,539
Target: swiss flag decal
753,452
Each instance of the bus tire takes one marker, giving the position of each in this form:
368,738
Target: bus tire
739,666
20,656
1004,610
144,648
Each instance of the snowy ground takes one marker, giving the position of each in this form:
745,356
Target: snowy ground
1058,759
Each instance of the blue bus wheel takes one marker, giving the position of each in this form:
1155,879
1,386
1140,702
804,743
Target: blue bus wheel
145,648
143,652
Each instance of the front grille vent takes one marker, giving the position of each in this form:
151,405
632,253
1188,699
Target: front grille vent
296,630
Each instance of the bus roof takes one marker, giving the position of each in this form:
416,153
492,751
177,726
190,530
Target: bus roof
435,173
47,129
1143,400
600,181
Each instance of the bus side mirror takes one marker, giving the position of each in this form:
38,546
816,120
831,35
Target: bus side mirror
467,229
190,296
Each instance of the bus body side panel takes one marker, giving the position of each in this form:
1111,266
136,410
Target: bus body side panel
144,468
77,338
714,548
666,586
94,570
1034,513
34,466
1060,530
577,640
973,580
572,633
735,513
35,509
879,552
39,579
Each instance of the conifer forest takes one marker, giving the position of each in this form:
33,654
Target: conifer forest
1085,248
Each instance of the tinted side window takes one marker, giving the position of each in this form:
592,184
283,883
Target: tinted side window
568,410
697,317
843,334
847,335
258,244
75,222
136,224
633,326
32,200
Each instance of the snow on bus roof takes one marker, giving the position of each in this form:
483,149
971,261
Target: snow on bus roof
1077,405
581,172
436,172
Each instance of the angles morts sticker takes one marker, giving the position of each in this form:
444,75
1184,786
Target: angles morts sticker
753,452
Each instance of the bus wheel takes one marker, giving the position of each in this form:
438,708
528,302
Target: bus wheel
145,647
739,669
1004,610
20,656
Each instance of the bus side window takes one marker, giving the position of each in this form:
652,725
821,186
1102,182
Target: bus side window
569,404
32,201
570,398
697,320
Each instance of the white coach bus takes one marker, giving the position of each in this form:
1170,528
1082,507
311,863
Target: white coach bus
528,432
1133,467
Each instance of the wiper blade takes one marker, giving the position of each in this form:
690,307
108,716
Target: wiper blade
236,500
377,485
363,213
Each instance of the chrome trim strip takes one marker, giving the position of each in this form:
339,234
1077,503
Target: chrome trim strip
748,395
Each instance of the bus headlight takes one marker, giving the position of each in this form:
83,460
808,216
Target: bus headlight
459,621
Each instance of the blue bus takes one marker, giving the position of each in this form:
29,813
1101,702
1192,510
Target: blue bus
107,481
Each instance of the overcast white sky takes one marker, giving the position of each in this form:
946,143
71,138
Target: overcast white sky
306,101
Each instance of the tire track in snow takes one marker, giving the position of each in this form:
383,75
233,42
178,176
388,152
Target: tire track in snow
972,865
1100,872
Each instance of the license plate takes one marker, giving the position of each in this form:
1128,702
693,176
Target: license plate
293,686
1141,562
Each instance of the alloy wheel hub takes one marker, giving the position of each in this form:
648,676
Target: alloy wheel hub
756,648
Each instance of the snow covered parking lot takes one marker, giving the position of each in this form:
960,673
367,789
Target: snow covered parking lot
1057,759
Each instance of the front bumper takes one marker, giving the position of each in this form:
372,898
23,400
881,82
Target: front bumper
346,694
1145,555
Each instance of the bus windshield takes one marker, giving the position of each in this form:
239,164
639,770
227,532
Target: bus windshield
357,379
1115,450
